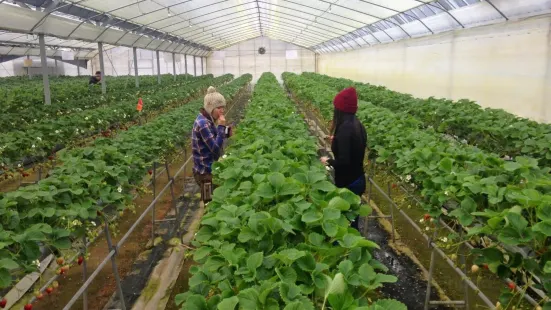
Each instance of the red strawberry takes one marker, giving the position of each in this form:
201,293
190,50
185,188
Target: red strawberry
3,303
60,261
65,268
28,307
98,213
51,157
150,172
39,296
80,260
426,217
49,290
511,286
394,185
485,266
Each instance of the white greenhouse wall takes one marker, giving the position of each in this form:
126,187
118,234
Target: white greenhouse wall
244,58
505,65
120,61
15,67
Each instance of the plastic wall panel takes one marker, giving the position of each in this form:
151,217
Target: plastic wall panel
244,58
189,64
504,66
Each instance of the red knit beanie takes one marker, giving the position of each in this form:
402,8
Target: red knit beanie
347,101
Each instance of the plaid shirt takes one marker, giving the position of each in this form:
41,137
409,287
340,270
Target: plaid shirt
207,140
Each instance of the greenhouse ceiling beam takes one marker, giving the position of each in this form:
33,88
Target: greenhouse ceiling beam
341,16
210,20
498,10
52,7
293,35
235,36
316,17
258,9
177,15
232,34
353,10
249,18
198,37
101,14
397,11
34,45
236,42
313,33
441,9
300,23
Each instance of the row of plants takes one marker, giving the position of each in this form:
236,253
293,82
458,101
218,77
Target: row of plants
507,201
118,90
493,130
40,139
20,97
277,234
69,204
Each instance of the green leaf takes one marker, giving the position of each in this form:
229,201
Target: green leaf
544,212
446,164
544,227
248,299
388,304
254,261
365,210
307,262
316,239
324,186
287,274
289,291
277,180
265,191
547,267
196,302
331,214
511,166
346,267
8,263
228,303
337,285
5,278
339,204
62,243
330,228
311,217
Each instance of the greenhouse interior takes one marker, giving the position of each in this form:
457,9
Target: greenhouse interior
275,154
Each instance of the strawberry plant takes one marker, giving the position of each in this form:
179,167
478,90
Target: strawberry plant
493,130
67,204
277,233
506,202
40,139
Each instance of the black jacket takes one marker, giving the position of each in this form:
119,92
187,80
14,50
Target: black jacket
93,80
348,147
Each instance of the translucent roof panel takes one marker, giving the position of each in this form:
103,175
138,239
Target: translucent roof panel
199,26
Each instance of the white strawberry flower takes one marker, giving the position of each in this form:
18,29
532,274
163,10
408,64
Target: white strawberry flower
38,138
36,263
57,131
93,223
444,239
86,118
18,165
33,146
446,193
119,189
427,228
408,177
421,221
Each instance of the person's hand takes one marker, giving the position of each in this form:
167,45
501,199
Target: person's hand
330,138
324,160
222,120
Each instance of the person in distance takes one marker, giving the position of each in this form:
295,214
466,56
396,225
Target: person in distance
208,135
348,144
95,79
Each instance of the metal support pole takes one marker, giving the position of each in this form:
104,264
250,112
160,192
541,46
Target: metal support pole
174,65
185,63
78,69
194,66
29,69
158,68
171,180
84,277
431,270
56,72
465,285
44,63
202,72
135,50
102,68
154,196
114,266
391,213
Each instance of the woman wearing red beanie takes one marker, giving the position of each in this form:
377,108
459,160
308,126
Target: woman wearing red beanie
348,145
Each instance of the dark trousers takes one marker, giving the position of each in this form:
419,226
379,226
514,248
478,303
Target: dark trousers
358,188
205,185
